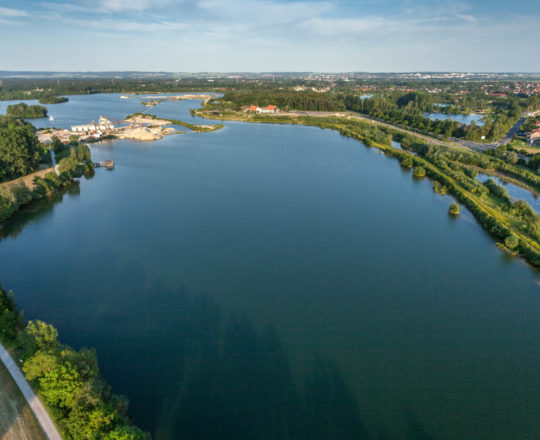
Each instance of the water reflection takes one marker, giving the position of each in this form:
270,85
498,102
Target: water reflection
34,212
215,375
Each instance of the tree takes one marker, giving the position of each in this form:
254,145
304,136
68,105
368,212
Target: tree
454,209
419,172
60,385
407,162
512,157
125,432
511,241
39,364
44,335
19,149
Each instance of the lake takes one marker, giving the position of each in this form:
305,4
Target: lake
280,282
464,119
514,191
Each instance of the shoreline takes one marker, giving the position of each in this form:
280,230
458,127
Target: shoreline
489,218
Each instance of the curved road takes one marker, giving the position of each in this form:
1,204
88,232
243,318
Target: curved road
34,403
55,165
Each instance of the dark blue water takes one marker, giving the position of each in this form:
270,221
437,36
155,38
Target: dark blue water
279,282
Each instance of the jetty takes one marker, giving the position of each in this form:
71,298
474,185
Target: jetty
108,164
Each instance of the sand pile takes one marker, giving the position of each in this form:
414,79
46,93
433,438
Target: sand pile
141,134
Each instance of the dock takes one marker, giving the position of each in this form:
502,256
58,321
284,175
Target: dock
109,164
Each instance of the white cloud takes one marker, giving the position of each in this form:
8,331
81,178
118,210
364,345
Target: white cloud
8,13
265,11
108,6
346,27
114,26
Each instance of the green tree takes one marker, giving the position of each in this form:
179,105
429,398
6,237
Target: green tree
419,172
511,241
454,209
512,157
407,162
39,364
44,335
60,385
19,149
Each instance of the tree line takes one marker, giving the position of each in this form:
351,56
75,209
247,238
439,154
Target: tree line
408,109
285,100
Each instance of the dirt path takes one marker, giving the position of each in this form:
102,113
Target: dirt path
42,416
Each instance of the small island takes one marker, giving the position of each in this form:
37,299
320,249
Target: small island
52,99
26,111
454,209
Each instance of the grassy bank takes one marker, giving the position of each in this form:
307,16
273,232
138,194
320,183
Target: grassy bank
449,167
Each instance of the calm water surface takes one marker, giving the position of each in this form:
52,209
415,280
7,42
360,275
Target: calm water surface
514,191
464,119
282,282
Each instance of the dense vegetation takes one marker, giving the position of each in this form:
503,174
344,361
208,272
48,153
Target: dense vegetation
52,99
76,161
408,109
20,151
285,100
68,381
23,110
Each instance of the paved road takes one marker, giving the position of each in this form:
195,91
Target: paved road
34,403
54,161
454,142
363,117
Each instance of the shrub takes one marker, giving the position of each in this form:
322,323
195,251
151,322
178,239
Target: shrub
511,241
419,172
406,162
454,209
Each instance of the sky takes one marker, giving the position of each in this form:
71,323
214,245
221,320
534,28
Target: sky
270,35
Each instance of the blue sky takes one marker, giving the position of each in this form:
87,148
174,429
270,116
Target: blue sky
270,35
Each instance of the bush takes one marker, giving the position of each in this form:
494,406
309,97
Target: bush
511,242
454,209
407,162
419,172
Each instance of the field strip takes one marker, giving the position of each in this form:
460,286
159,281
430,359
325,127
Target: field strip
34,403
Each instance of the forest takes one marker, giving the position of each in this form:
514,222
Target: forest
26,111
20,150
